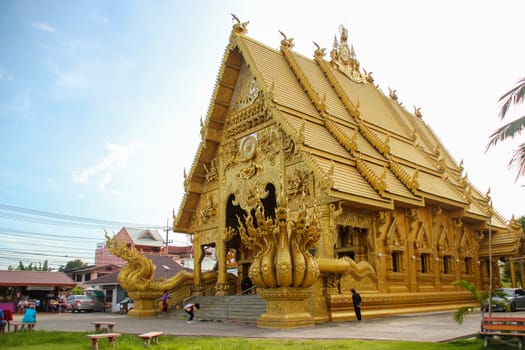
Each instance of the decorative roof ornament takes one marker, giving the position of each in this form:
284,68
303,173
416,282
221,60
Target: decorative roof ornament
239,28
286,43
417,112
319,52
393,95
343,58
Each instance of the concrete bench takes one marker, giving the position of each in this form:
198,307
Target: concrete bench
22,325
111,337
110,326
150,337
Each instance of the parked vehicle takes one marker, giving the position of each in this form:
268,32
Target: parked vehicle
80,303
126,305
507,299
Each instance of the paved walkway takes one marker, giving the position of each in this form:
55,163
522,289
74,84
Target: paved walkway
432,327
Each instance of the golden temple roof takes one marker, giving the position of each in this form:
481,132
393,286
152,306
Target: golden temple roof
375,153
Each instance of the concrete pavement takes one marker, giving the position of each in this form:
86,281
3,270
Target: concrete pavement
432,327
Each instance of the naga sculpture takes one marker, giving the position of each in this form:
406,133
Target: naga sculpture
282,267
137,278
280,248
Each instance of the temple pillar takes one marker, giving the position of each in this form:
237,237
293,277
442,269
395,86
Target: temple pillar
197,269
325,246
411,265
522,274
220,286
512,274
379,254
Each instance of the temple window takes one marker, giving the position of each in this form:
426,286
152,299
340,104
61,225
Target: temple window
425,263
351,242
468,266
396,262
447,264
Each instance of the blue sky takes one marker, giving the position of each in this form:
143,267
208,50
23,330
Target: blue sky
100,101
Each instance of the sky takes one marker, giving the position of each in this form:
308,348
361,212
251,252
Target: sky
100,101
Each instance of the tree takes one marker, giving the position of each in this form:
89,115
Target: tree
459,314
512,98
71,265
480,296
31,267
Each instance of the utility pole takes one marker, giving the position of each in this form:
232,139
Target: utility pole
167,229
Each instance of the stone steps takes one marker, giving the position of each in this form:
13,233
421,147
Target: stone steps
238,308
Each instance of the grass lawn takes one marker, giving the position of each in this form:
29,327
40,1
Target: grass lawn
39,340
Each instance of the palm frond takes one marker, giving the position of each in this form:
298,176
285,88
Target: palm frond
509,130
480,296
460,314
514,96
518,160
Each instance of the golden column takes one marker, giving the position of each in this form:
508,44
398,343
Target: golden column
512,274
197,270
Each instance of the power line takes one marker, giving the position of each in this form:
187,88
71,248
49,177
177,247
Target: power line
20,233
99,222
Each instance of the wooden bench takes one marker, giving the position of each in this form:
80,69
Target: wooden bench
150,337
503,327
110,325
111,337
22,325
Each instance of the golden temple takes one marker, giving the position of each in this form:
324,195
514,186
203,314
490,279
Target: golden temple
319,183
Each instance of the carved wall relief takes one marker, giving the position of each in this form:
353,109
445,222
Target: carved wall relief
208,209
211,171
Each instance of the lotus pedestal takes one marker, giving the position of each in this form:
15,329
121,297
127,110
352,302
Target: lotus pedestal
287,307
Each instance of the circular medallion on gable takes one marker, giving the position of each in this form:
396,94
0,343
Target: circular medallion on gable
248,146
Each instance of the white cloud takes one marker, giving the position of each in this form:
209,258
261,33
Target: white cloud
43,27
15,105
99,19
3,75
116,159
69,79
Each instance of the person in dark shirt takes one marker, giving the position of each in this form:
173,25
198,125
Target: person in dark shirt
190,310
246,284
356,300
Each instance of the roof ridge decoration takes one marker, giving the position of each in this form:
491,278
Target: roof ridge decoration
319,102
349,143
344,59
383,147
240,27
377,182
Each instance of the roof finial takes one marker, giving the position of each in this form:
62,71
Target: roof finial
286,43
239,28
319,52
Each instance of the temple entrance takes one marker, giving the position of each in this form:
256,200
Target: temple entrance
238,257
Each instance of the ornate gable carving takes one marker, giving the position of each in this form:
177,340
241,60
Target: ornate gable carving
466,245
394,239
444,243
248,94
422,240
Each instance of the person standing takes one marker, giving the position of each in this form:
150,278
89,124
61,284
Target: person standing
190,310
30,314
3,322
356,300
165,298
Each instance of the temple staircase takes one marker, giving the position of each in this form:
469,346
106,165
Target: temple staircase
233,308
